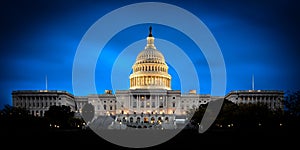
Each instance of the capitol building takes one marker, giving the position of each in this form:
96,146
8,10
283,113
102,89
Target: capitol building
149,100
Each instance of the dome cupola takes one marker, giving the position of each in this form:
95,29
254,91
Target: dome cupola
150,70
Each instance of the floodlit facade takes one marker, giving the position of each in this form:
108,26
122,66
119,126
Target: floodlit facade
39,101
149,100
272,98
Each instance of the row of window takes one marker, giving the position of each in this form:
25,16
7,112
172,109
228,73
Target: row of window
46,104
110,107
150,68
201,101
112,101
38,98
258,97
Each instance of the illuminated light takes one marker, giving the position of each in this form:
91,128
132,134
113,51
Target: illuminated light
280,124
78,126
259,124
57,126
228,125
50,125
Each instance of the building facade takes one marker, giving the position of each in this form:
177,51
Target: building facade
39,101
272,98
149,99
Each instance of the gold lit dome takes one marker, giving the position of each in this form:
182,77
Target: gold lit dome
150,70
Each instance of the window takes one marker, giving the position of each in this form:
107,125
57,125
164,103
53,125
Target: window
134,104
104,107
131,119
110,108
142,104
173,97
173,104
138,119
153,104
161,105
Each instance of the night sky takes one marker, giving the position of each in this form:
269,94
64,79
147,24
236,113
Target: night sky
40,38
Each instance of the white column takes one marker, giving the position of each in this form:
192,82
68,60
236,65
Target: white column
138,103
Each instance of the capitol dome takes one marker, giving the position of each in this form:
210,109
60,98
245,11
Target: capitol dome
150,70
150,55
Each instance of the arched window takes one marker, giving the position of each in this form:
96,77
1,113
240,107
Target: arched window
152,119
131,119
167,118
159,119
173,104
138,119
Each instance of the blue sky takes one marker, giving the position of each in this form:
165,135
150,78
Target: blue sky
40,38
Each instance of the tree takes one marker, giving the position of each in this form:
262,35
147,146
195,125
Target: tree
60,116
18,118
227,115
196,115
88,112
292,109
292,103
243,116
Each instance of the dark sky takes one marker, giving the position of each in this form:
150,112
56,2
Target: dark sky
40,38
